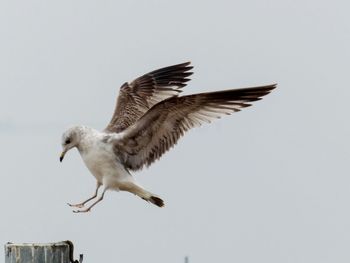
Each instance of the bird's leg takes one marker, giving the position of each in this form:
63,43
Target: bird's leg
91,206
80,205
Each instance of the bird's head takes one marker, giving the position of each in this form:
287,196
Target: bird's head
70,139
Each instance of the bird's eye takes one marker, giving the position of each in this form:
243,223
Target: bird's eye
67,141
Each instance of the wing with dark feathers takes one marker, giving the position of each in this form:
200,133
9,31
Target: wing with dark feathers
162,126
137,97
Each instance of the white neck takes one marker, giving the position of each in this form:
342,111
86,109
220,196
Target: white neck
88,137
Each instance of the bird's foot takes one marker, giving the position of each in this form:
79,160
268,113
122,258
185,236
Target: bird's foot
76,205
82,211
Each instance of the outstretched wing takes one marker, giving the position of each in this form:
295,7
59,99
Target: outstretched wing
162,126
137,97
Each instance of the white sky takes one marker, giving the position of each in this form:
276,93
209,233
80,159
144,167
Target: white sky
270,184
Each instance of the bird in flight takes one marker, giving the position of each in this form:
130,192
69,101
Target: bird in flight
149,119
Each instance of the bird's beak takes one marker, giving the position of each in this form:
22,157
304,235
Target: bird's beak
62,156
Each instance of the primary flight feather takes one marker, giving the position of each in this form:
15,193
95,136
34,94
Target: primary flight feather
148,120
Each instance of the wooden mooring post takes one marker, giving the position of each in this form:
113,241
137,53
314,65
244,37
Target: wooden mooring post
59,252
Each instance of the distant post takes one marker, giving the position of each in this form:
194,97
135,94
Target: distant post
60,252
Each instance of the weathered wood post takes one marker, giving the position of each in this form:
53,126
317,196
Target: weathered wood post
60,252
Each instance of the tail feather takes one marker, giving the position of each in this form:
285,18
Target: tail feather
156,201
145,195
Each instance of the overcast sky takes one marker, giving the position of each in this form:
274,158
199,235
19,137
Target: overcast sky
269,184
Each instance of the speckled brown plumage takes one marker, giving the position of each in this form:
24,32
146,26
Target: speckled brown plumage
140,95
162,126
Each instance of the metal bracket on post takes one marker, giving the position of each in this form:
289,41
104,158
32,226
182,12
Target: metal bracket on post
71,253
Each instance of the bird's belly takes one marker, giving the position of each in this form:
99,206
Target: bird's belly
102,165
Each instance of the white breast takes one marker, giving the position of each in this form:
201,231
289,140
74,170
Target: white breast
100,160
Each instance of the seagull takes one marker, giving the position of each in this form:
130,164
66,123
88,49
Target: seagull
149,118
